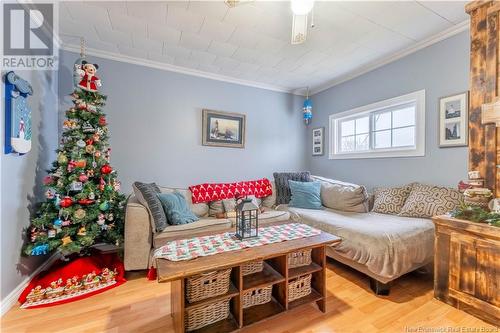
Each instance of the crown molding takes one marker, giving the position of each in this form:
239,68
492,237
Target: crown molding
456,29
173,68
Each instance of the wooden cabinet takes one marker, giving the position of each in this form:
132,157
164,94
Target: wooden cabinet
467,266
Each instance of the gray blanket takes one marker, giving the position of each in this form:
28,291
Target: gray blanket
388,245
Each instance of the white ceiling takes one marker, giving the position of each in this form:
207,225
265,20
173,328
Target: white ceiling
251,42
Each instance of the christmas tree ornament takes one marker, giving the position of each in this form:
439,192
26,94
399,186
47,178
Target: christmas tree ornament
65,223
91,195
89,142
87,128
108,188
96,137
104,206
102,121
57,201
57,222
58,173
89,149
102,183
91,108
94,164
60,183
116,185
80,143
50,193
48,180
82,231
97,154
66,202
89,81
79,214
66,240
81,105
83,177
71,166
75,186
51,233
62,159
40,250
81,163
110,217
85,202
90,173
101,219
106,169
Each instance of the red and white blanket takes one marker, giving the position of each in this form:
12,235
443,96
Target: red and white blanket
212,192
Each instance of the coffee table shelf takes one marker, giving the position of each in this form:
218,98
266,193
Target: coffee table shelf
267,277
275,273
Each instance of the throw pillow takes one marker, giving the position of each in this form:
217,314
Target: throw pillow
176,208
305,195
147,196
230,204
427,201
270,200
343,196
390,200
283,193
215,208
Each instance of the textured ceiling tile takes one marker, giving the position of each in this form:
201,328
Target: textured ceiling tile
203,57
164,34
222,49
208,68
183,62
269,45
226,63
177,52
132,52
116,6
247,68
268,60
216,30
194,41
211,9
127,23
147,44
246,55
77,29
244,37
114,36
151,11
160,57
184,20
243,15
88,13
454,13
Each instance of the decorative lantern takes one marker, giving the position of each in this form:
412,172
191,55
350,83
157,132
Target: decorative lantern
307,109
247,219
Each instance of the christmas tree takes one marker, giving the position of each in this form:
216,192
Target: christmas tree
83,205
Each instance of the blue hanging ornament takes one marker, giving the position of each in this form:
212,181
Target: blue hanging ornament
58,222
40,250
307,109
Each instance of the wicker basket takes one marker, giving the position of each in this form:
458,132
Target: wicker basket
257,297
299,287
202,316
207,285
299,258
252,267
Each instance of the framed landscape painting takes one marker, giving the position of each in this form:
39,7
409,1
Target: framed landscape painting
453,120
223,129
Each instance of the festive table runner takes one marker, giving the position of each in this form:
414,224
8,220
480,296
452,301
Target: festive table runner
191,248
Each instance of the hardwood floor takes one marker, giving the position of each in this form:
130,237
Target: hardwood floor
143,306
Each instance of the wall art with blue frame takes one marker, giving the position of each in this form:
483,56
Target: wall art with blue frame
17,114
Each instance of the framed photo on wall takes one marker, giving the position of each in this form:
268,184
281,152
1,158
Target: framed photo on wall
318,140
454,120
223,129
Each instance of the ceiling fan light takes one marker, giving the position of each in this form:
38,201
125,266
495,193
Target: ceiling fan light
302,7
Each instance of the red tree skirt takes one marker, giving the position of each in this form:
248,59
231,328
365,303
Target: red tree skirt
78,268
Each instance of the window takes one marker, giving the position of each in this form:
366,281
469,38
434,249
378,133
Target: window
390,128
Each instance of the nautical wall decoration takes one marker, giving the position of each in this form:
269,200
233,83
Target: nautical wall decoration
17,114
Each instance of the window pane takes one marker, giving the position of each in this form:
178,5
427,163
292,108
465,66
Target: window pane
403,137
382,121
403,117
347,128
362,142
383,139
362,125
347,143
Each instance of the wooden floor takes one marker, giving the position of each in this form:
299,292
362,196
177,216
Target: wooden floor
143,306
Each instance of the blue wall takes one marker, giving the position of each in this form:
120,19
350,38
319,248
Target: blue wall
154,119
441,69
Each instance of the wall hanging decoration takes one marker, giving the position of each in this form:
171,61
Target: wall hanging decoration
223,129
17,114
307,109
317,136
453,120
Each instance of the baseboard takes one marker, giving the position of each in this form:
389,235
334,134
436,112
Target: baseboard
11,299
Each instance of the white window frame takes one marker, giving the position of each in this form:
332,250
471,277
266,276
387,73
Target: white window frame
417,97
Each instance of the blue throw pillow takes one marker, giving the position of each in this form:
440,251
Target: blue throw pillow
176,208
305,195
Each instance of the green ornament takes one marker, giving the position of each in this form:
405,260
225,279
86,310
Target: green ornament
104,206
109,188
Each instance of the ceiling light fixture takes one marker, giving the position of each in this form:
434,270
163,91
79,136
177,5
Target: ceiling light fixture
301,10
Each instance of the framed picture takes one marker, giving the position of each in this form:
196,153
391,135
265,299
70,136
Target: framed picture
317,137
223,129
453,120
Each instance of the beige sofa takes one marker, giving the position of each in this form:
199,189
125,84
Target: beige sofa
141,238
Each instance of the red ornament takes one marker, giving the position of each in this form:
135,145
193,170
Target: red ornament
102,120
102,184
66,202
89,142
48,180
105,169
85,202
83,177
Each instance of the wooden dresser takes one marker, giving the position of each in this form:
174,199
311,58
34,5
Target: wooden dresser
467,266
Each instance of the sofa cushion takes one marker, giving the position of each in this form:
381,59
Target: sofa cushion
305,194
176,208
270,200
230,204
200,209
215,208
428,200
343,196
186,230
283,193
390,200
147,196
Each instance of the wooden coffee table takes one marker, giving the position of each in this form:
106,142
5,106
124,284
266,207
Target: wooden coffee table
275,273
